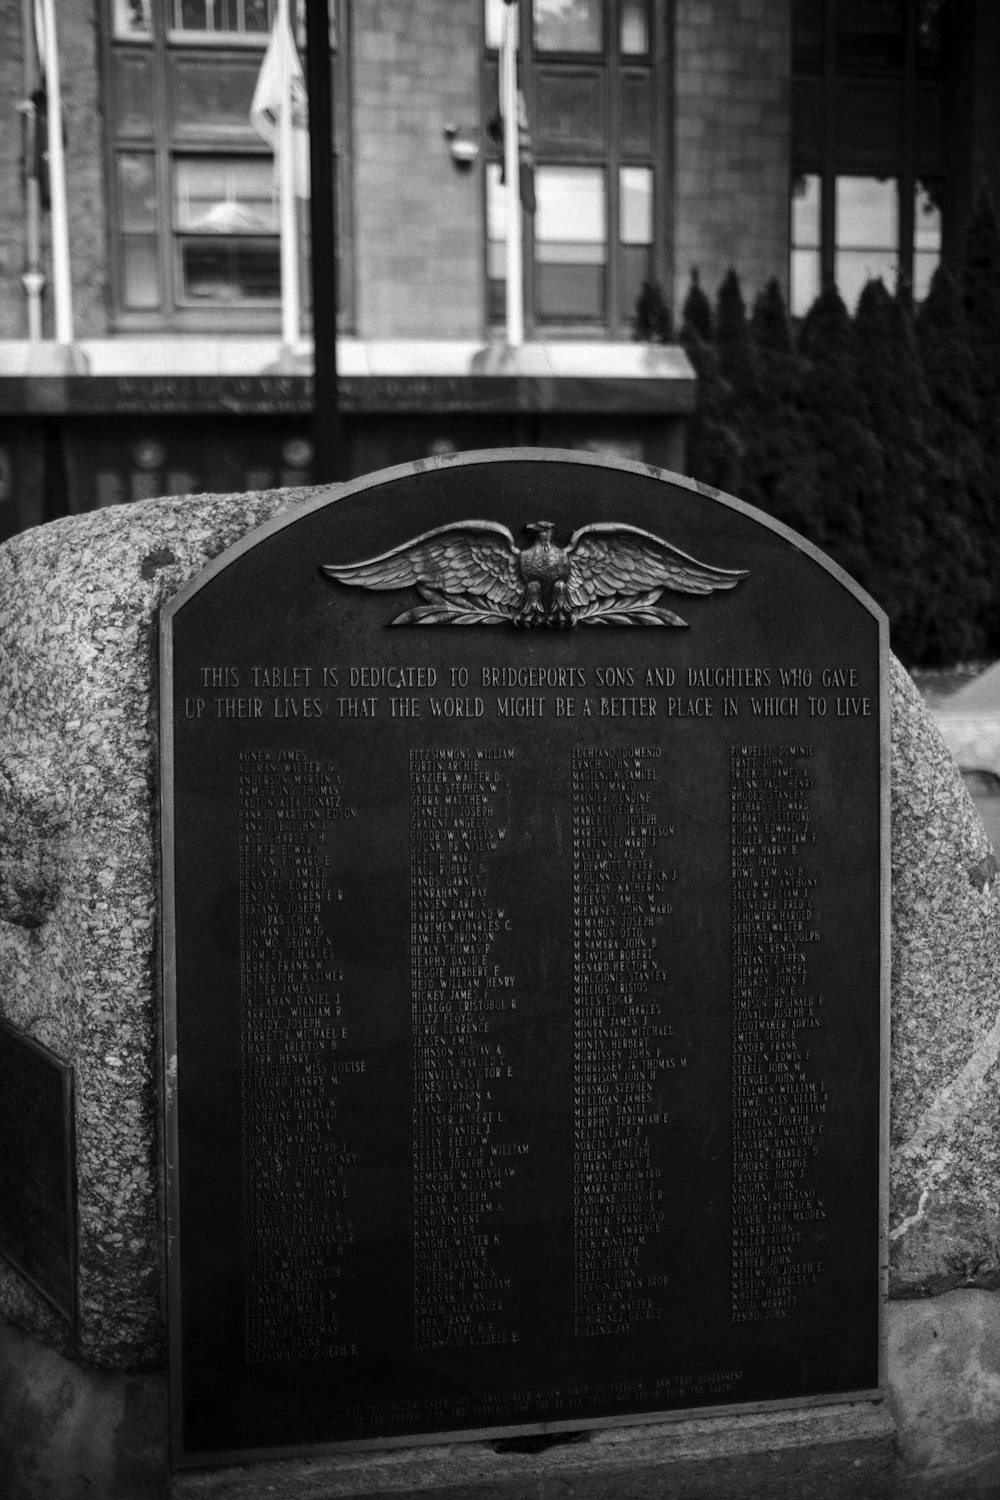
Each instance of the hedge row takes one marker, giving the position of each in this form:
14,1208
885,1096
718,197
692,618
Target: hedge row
876,436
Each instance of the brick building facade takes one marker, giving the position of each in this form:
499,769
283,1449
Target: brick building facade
667,135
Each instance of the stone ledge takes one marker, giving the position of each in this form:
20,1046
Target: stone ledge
802,1454
65,1432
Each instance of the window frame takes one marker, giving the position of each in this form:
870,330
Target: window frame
824,88
167,142
611,156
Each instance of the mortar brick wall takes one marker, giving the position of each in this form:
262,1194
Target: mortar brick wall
418,221
77,25
732,139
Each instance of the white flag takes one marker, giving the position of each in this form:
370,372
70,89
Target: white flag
281,78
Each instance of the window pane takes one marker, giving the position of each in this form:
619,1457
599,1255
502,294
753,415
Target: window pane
805,210
867,234
637,111
635,206
224,195
853,268
931,38
867,213
634,30
568,293
255,15
570,243
805,281
496,203
926,220
496,229
568,25
493,21
133,21
635,268
570,206
230,270
570,109
871,35
807,36
925,263
208,95
926,236
232,16
133,92
137,190
141,271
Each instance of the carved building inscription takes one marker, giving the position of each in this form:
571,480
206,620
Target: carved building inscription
525,983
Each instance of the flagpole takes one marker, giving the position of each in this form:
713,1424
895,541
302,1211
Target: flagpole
62,286
33,279
511,167
328,449
290,319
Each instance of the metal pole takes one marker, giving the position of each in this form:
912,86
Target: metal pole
290,320
328,448
33,279
512,177
62,285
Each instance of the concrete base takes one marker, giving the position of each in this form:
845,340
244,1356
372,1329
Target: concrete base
66,1433
944,1381
843,1450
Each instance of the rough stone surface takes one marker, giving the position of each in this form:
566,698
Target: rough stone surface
944,1381
944,1216
78,609
67,1432
78,604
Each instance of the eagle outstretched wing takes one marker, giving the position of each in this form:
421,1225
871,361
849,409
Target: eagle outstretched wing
477,558
608,559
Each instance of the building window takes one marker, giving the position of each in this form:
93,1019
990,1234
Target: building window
194,198
867,227
571,247
592,75
225,17
868,145
226,230
568,25
926,235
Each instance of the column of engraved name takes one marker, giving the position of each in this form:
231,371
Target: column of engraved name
778,1104
621,1038
465,1161
295,1062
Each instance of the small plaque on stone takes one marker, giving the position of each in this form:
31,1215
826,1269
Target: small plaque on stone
37,1168
525,879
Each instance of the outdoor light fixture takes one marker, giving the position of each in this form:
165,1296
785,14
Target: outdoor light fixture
464,145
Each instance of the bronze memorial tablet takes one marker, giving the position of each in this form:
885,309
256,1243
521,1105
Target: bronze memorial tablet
38,1168
525,879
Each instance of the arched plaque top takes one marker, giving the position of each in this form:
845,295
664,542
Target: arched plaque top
448,463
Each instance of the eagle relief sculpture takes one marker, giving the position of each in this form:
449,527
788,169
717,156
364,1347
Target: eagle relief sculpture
474,573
